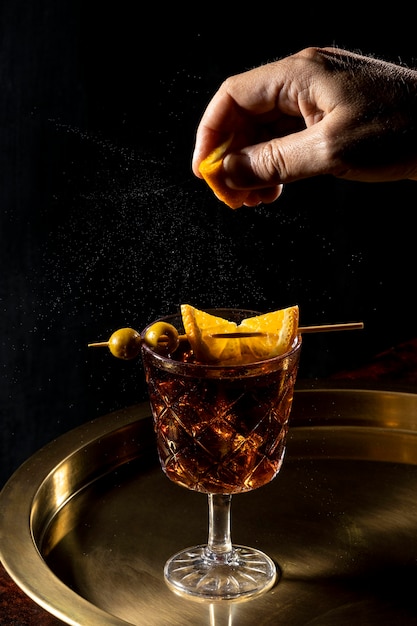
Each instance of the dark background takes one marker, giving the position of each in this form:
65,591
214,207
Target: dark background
103,224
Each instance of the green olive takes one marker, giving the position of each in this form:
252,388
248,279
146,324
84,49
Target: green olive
125,343
162,337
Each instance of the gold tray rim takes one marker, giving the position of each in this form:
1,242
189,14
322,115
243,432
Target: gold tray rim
26,565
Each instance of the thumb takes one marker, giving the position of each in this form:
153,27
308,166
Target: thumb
283,160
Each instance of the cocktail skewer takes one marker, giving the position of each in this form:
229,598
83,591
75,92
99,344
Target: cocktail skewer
125,343
321,328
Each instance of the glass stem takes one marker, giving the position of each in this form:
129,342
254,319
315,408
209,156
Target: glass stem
219,536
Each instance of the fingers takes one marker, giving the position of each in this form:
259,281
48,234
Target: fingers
263,196
242,106
221,119
264,168
283,160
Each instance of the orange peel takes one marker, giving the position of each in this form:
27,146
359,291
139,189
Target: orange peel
273,334
211,169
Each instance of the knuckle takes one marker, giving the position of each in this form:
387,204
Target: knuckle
271,163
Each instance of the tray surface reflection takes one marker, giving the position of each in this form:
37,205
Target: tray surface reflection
95,520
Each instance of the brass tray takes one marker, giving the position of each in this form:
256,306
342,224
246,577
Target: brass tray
87,523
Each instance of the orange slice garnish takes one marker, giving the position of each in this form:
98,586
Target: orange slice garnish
273,334
211,170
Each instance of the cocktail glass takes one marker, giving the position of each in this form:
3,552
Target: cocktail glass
221,430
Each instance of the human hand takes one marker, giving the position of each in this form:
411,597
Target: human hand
320,111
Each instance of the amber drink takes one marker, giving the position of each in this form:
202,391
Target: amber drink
220,430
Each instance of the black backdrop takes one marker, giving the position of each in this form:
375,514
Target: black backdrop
103,225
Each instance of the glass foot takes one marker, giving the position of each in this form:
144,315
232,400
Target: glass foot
241,573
